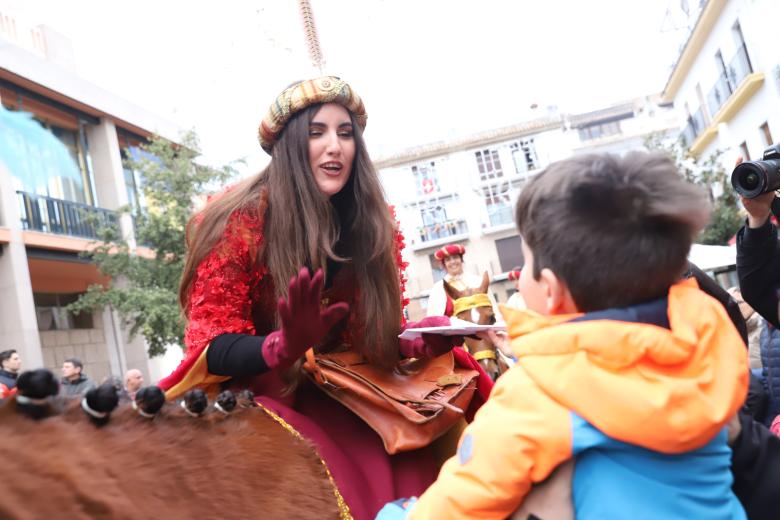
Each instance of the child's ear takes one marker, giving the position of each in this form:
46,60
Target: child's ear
559,299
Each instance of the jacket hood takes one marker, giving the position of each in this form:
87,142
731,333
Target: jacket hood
667,387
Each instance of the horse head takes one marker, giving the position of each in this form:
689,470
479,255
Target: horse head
474,305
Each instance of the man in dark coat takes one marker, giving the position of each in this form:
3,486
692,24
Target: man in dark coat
74,383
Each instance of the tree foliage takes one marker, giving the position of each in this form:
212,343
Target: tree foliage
706,171
144,282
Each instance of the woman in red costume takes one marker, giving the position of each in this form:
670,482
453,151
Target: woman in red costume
253,307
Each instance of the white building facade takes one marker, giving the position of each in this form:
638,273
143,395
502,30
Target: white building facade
61,165
464,191
726,82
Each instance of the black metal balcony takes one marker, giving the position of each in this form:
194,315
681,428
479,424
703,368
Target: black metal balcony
739,67
718,94
696,125
62,217
728,81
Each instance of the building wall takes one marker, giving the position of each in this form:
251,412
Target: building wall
757,18
461,189
105,349
88,345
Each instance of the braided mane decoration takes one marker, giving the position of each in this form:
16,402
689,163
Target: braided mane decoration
241,465
310,32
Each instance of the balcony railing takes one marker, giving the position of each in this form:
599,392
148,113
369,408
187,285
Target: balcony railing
439,230
696,125
62,217
719,93
739,67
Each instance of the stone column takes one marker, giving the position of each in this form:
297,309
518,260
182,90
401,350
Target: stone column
18,321
123,353
108,173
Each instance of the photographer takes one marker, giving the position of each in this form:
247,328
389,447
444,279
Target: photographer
758,257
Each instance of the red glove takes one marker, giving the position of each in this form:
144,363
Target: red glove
429,345
304,322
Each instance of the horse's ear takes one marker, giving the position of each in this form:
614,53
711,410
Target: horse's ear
451,291
483,288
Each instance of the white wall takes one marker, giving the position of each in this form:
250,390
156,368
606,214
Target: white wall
758,19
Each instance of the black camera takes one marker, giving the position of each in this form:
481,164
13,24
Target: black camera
753,178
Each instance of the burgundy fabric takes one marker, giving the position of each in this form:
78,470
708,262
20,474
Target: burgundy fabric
449,250
366,476
484,384
449,309
429,345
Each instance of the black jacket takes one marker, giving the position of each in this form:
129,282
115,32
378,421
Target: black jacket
755,464
711,287
7,378
758,268
756,402
76,388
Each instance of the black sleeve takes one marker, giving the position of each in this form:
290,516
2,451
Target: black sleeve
712,288
755,464
758,268
236,355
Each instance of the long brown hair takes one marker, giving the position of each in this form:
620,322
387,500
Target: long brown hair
303,227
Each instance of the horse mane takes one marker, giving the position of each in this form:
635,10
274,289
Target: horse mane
239,464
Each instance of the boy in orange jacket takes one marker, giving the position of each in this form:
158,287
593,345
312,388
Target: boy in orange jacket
621,368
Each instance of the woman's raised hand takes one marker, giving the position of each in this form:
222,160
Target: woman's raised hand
304,322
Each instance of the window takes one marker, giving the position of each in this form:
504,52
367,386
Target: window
767,134
499,204
135,196
743,149
489,164
510,253
52,315
524,155
425,179
736,33
46,159
599,130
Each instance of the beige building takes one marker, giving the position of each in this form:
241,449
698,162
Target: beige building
463,191
61,146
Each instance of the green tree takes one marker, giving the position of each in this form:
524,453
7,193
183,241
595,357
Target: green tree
706,171
143,288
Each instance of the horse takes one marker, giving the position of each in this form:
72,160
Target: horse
89,458
473,304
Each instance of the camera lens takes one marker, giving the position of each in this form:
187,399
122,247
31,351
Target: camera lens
750,181
749,178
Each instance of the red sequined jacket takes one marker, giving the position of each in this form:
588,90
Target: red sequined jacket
233,293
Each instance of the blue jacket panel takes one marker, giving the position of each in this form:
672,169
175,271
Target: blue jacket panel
615,480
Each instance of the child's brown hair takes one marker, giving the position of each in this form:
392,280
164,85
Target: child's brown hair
615,230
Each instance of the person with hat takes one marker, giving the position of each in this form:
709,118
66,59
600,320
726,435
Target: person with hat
307,254
451,258
515,301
